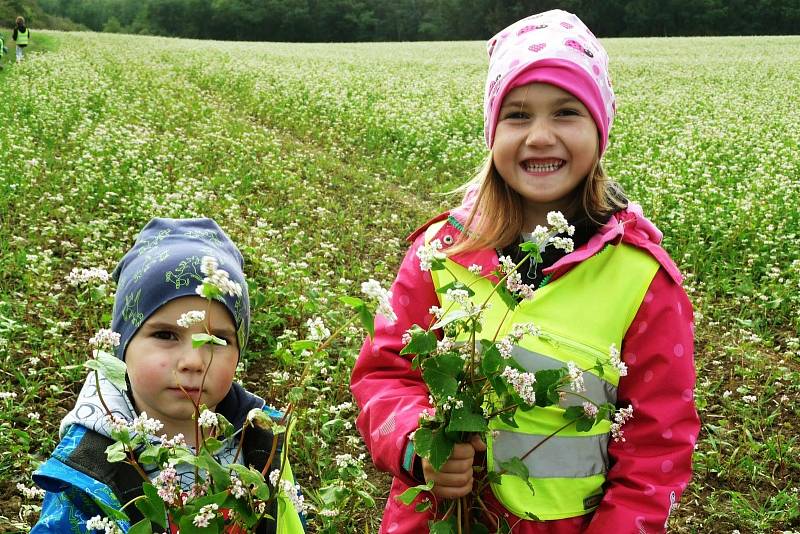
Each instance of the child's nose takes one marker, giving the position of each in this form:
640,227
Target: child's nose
540,134
193,360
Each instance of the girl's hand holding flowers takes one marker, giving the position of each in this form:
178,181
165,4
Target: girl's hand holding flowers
454,479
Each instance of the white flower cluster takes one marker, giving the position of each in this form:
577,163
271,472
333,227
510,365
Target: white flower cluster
293,492
615,360
178,440
166,483
523,383
329,512
205,515
191,317
436,311
559,223
7,395
77,276
444,345
218,278
105,337
622,415
563,243
274,476
428,253
475,269
345,460
30,493
576,378
207,419
102,523
505,346
452,402
144,425
461,297
372,289
514,279
117,423
589,409
237,487
317,331
520,329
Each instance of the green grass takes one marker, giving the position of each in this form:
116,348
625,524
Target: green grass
319,159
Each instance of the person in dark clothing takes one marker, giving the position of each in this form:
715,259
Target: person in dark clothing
21,36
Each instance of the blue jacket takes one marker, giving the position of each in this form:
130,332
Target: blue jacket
79,480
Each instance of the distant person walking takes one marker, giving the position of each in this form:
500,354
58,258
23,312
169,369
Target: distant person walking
22,36
3,51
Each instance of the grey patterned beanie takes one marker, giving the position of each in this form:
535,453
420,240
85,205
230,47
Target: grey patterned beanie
164,264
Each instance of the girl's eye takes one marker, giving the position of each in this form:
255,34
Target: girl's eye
568,112
515,115
166,335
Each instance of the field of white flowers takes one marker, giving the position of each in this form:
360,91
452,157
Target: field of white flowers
320,159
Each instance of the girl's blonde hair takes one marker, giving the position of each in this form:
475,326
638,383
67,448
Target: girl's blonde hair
497,217
20,20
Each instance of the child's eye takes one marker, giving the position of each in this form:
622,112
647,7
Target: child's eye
567,112
515,115
166,335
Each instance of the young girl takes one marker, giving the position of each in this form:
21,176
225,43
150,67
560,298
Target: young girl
548,110
22,36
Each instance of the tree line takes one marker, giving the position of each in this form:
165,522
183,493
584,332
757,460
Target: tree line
413,20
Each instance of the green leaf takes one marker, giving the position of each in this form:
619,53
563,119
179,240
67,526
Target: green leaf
408,496
219,474
152,454
439,449
332,428
491,359
422,342
424,506
573,412
440,375
529,246
507,297
112,513
212,445
116,452
547,386
353,302
224,427
479,528
367,320
584,424
465,420
142,527
304,344
152,506
200,339
454,315
111,367
508,418
423,438
366,498
437,264
515,466
442,527
248,475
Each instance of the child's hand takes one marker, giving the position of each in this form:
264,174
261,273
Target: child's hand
455,478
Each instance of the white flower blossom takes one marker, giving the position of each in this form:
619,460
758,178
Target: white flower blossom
576,378
274,476
436,311
563,243
7,395
166,484
427,254
293,492
191,317
589,409
144,425
30,493
237,487
620,417
78,277
523,383
475,269
616,361
317,331
205,515
207,419
559,223
105,338
218,278
373,290
102,523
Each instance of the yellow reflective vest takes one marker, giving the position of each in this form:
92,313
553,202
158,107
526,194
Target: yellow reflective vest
580,315
22,37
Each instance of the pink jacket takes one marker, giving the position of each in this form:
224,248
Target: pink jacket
649,471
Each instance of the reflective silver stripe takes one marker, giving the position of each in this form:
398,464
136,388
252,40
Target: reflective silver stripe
597,389
558,457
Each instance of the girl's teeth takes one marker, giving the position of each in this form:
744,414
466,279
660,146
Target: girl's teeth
547,167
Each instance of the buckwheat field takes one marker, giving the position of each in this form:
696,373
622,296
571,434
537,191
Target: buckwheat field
319,160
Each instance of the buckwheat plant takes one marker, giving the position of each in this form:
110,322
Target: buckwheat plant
474,381
233,496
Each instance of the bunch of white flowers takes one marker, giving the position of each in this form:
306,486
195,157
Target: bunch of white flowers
428,253
523,383
317,330
622,415
218,278
575,377
616,361
372,289
191,317
102,523
105,338
144,425
205,515
78,277
208,419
